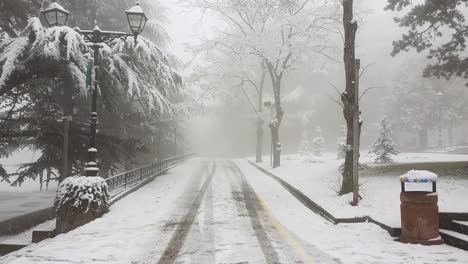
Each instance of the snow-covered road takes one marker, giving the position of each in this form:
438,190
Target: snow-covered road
221,211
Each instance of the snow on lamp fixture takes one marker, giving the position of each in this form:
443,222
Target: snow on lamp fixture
55,15
136,18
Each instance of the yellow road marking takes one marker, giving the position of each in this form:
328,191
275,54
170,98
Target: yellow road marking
295,245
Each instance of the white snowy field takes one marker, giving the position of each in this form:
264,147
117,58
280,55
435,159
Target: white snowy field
19,203
222,227
319,179
414,157
27,198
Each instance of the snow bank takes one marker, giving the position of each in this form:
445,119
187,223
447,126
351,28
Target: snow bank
419,176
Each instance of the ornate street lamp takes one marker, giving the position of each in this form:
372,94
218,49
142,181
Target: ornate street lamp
136,19
55,15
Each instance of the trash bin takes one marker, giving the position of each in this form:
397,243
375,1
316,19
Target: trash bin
419,210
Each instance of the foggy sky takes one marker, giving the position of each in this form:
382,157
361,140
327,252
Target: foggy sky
376,32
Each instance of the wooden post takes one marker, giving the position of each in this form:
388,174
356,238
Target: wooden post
356,134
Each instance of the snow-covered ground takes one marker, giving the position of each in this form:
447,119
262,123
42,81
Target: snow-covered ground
319,179
19,203
27,198
234,214
350,243
416,157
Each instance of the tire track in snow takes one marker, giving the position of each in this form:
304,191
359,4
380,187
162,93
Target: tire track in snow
178,238
253,205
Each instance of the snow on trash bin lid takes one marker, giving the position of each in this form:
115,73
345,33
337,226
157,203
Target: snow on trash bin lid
419,176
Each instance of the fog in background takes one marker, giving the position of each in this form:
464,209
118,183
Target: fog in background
226,124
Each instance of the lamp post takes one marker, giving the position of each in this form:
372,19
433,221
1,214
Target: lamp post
56,15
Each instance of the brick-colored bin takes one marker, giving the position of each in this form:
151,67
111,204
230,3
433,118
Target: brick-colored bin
420,218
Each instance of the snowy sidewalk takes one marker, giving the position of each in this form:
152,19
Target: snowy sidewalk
319,179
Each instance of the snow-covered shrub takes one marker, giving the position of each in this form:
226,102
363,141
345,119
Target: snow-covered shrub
318,145
80,200
341,144
311,160
305,147
384,146
82,193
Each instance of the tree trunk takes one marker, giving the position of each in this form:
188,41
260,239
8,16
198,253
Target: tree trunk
275,126
260,121
49,173
41,181
348,97
276,122
276,146
259,141
347,182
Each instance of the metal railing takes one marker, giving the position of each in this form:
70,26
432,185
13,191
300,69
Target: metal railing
132,177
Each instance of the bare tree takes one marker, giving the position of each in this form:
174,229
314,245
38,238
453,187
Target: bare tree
227,68
348,97
279,32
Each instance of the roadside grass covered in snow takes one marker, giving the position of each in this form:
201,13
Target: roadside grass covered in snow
379,184
455,168
26,197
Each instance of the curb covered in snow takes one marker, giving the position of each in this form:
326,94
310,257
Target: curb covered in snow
314,207
21,223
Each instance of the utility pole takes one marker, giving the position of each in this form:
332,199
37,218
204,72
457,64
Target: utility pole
356,134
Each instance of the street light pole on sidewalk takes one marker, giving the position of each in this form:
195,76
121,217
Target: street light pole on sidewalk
66,142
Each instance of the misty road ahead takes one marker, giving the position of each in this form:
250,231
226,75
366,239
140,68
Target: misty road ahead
225,221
